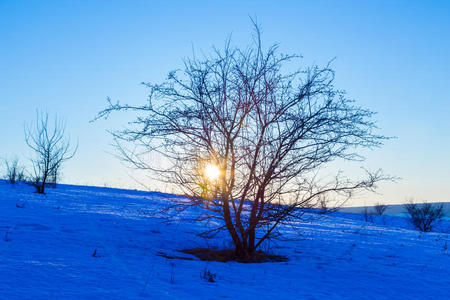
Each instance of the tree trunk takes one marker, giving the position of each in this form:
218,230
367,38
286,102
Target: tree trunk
251,240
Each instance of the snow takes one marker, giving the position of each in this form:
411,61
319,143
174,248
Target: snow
48,241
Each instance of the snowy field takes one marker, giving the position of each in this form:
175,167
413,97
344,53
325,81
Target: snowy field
48,243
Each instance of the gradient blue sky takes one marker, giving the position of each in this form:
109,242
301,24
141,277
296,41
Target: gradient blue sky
393,57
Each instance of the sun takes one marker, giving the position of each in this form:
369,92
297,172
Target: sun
212,172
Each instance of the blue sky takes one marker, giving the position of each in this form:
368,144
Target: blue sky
66,57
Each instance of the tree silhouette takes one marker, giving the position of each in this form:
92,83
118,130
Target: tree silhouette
267,130
51,149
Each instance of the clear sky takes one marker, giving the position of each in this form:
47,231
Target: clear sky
66,57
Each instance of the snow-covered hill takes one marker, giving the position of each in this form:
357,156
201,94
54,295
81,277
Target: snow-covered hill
85,242
394,209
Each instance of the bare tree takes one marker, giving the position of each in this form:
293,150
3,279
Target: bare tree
380,208
51,149
54,178
368,217
14,172
424,216
245,138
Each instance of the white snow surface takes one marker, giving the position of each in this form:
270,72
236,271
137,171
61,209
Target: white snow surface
47,245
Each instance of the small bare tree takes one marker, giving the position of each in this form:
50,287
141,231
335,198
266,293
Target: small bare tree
244,138
368,217
51,149
14,172
54,178
424,216
380,208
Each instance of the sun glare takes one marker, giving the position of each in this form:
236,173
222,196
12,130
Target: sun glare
212,172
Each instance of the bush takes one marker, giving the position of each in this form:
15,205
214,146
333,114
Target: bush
424,216
368,217
380,208
208,276
14,172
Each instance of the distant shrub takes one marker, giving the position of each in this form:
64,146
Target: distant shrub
54,178
323,207
14,172
6,237
380,208
368,217
208,276
424,216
